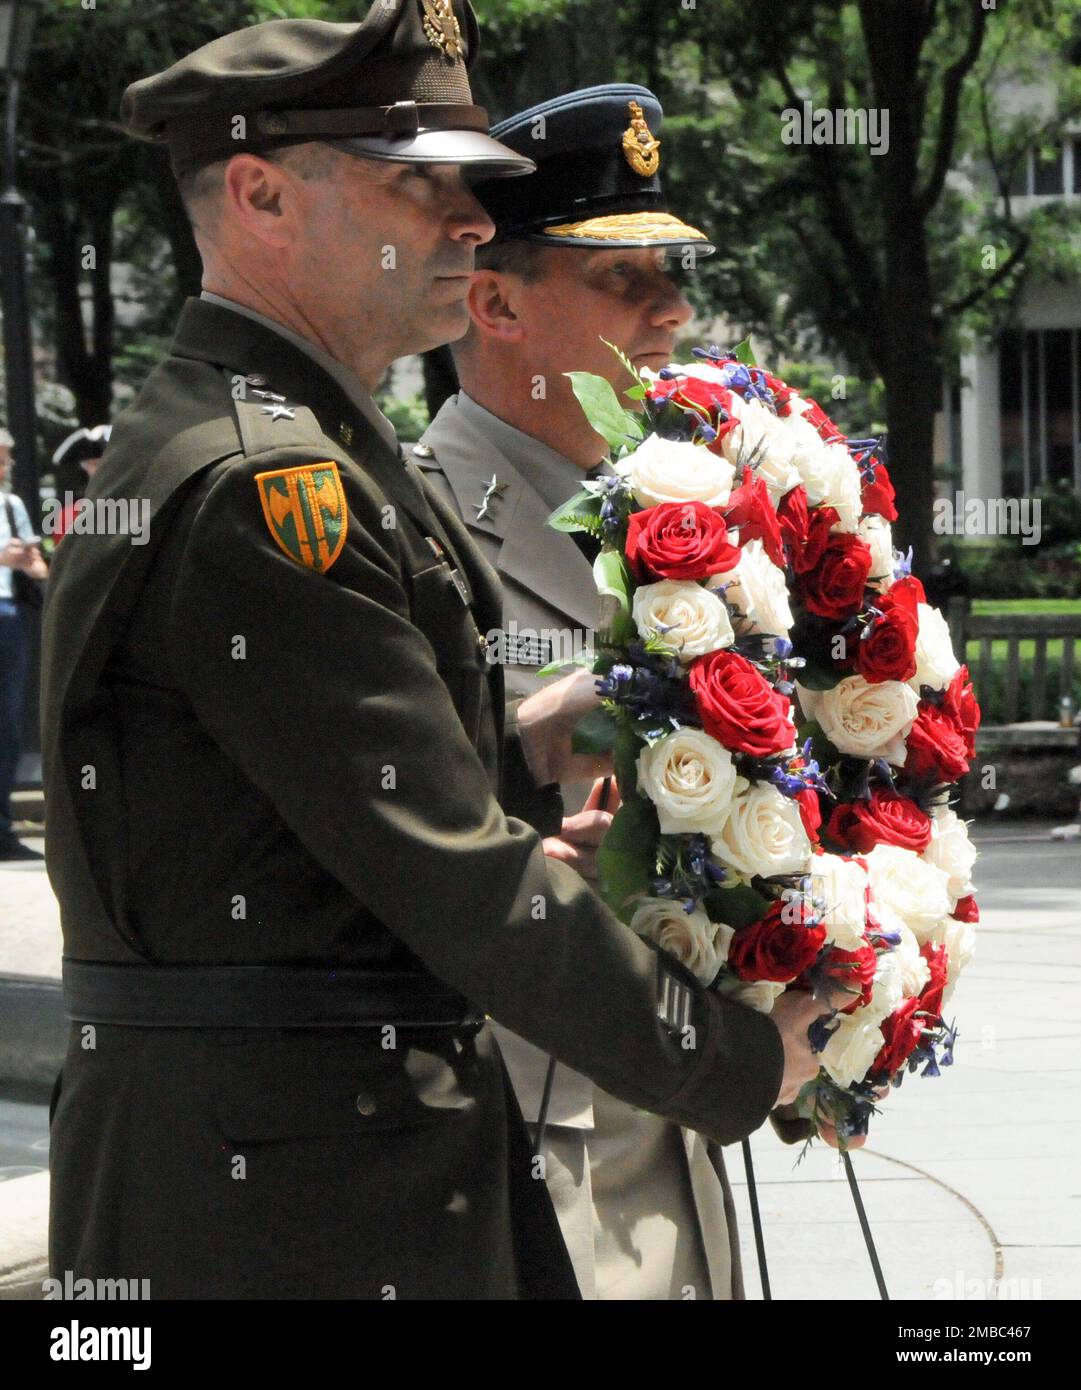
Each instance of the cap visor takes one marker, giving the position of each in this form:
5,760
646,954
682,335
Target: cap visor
626,229
470,148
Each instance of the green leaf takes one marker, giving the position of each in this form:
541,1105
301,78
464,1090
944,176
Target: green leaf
635,393
736,907
627,857
625,758
612,578
744,353
595,732
568,516
598,399
554,667
816,677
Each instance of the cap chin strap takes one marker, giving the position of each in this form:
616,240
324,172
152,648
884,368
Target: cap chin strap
402,118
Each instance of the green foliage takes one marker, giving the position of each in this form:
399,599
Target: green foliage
595,732
626,860
615,424
408,415
581,512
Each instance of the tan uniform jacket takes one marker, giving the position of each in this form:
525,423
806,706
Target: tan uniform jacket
645,1207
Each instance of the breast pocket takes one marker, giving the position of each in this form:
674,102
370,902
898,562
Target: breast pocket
440,607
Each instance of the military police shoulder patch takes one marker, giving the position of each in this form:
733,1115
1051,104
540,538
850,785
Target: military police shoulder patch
305,510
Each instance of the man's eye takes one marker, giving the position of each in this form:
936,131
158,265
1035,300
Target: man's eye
421,171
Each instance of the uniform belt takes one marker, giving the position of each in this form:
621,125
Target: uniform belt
259,996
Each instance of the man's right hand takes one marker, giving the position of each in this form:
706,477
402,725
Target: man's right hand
793,1013
13,554
546,722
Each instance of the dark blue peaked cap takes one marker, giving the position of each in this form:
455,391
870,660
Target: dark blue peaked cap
597,181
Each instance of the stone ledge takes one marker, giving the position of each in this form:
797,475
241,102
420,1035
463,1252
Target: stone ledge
24,1236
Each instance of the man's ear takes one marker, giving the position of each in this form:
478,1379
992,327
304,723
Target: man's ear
492,305
259,195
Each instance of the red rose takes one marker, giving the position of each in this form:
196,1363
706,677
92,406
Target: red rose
775,949
901,1031
810,812
878,494
804,533
834,588
967,910
750,509
705,399
887,648
931,995
960,703
854,974
738,706
679,540
936,748
886,819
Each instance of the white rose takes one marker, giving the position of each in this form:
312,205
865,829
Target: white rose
669,470
760,995
763,834
840,887
831,479
935,661
695,941
952,851
888,989
767,441
852,1047
691,780
863,719
695,618
915,972
911,887
878,535
756,588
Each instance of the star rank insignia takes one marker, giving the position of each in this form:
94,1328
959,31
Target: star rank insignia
492,493
279,412
441,28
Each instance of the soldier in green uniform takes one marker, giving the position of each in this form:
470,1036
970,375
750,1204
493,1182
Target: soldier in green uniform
284,805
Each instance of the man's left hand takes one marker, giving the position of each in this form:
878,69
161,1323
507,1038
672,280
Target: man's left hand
581,835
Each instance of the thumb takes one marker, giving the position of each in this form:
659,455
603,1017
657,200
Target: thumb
595,800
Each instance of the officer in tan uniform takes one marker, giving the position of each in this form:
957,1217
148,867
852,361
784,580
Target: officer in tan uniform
583,252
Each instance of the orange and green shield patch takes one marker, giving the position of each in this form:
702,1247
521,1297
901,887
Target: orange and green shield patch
305,511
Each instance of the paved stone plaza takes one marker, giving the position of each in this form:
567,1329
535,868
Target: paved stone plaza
968,1179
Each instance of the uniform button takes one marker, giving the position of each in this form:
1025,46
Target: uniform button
366,1103
345,432
423,451
256,380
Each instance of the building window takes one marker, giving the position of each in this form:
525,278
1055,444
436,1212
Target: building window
1047,172
1040,395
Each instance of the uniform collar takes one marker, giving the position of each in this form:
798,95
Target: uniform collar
470,446
552,475
357,395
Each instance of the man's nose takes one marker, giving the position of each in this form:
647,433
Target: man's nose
468,220
670,304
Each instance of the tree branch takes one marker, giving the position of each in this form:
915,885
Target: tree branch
951,102
958,306
838,214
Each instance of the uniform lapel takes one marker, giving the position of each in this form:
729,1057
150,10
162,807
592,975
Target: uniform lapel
546,562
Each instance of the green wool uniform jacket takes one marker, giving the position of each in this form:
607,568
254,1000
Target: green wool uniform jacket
252,760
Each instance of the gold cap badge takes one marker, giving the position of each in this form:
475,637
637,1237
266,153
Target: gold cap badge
640,150
441,28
